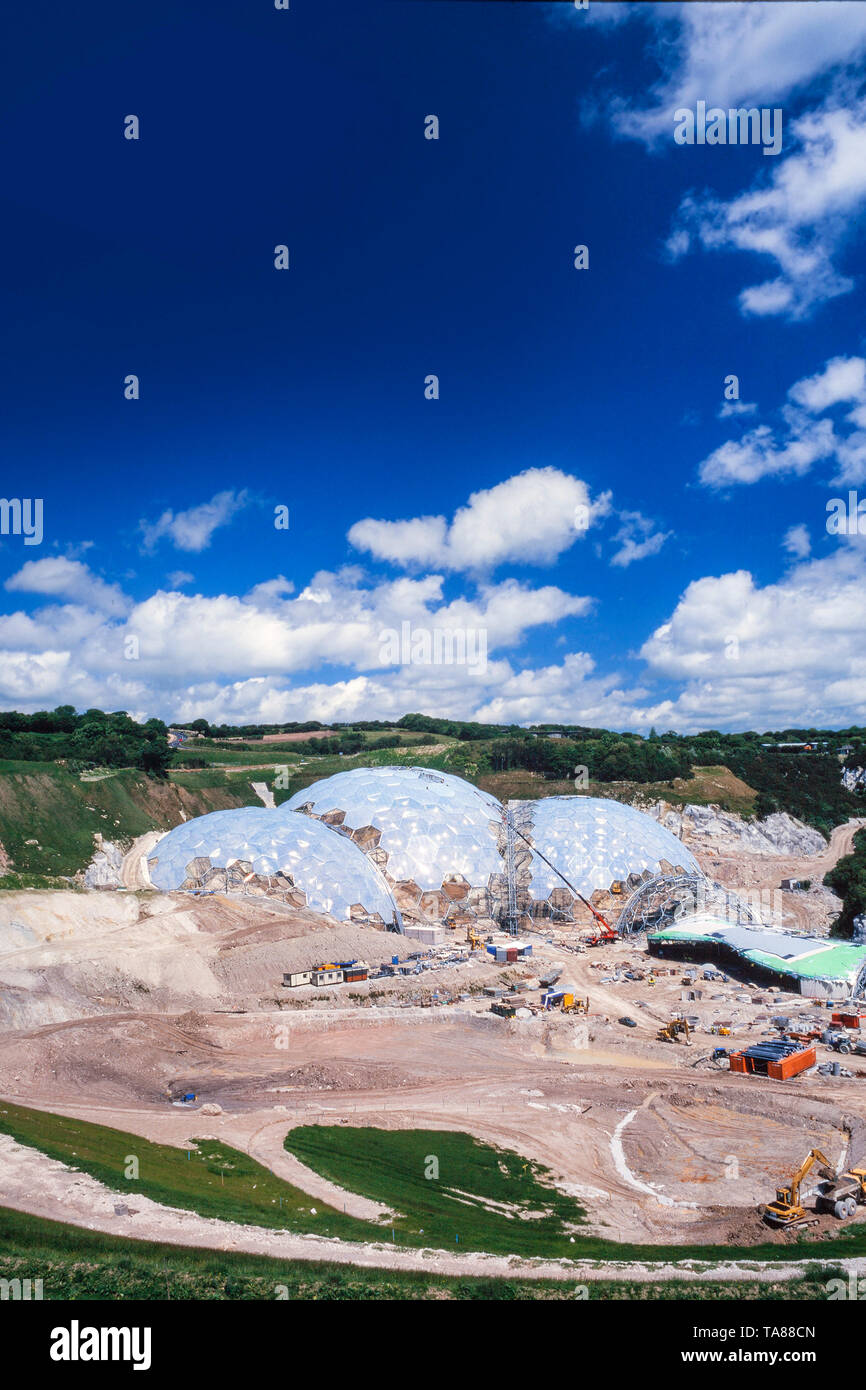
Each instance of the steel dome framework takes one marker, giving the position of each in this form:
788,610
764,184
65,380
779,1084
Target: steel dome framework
434,835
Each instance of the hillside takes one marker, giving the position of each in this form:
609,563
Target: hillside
49,814
707,786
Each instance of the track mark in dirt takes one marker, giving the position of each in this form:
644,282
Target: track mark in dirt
621,1165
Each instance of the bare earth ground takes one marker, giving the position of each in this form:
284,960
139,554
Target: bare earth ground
113,1004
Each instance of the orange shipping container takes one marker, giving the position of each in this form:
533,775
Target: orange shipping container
793,1065
847,1020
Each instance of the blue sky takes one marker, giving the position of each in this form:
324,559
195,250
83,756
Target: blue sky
631,553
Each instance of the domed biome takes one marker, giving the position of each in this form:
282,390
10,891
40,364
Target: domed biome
433,835
266,852
602,847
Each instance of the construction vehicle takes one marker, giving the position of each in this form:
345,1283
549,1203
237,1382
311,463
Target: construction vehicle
474,941
606,935
572,1005
843,1196
565,1000
671,1032
844,1043
787,1210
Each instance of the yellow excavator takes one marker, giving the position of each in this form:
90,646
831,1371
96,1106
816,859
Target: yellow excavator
475,942
788,1210
671,1032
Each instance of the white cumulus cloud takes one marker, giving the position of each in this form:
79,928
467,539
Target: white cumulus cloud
528,519
57,577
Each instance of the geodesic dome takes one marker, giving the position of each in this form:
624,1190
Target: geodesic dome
433,835
269,852
595,843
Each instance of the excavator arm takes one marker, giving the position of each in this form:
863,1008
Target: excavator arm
814,1156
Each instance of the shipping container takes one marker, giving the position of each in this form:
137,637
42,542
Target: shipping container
848,1020
777,1060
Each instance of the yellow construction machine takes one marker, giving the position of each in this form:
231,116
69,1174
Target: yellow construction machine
788,1210
673,1031
571,1004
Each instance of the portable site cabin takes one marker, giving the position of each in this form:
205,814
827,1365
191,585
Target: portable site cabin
327,975
297,977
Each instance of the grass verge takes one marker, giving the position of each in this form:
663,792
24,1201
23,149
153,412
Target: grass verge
87,1266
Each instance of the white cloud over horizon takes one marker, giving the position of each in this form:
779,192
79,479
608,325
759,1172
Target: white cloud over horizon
58,577
793,652
732,654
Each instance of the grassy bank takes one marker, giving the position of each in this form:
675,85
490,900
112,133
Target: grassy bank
210,1178
85,1265
49,814
491,1199
391,1166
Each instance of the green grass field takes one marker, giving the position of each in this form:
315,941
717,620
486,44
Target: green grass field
390,1166
449,1188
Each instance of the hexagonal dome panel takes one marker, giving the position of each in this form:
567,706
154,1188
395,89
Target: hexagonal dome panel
594,842
432,826
274,850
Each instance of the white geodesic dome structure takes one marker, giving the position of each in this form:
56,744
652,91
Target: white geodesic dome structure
267,851
434,835
595,842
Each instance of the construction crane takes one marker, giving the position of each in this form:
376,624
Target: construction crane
787,1210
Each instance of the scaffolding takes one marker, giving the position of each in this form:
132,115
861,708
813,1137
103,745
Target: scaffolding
511,921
